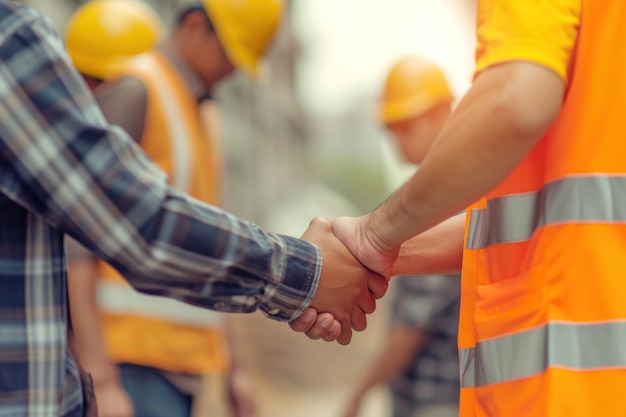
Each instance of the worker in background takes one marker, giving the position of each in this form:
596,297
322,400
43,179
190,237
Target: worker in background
416,102
160,350
536,148
420,359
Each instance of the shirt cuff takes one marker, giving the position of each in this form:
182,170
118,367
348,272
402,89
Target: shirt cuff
302,271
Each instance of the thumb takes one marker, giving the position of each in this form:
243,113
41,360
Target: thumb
344,229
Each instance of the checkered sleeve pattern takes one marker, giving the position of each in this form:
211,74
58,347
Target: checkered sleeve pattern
64,170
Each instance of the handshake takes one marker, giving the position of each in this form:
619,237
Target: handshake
355,272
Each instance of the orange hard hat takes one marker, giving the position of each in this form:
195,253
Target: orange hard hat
245,28
101,34
414,85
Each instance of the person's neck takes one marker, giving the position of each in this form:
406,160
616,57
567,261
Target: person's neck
173,49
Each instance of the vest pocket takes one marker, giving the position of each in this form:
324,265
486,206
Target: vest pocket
510,305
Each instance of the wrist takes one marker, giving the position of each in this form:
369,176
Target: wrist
105,375
374,227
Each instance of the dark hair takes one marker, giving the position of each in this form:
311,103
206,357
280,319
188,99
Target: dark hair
193,8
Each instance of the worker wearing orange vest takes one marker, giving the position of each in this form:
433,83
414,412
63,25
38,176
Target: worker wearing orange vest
164,347
536,148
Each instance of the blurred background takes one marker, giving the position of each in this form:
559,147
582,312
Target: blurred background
305,141
313,118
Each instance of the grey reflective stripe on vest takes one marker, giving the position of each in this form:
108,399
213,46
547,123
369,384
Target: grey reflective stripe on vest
579,347
514,218
179,136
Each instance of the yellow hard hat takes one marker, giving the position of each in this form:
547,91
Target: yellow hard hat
102,34
245,28
413,86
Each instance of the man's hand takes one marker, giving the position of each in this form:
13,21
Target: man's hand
317,326
364,244
353,408
241,393
346,289
113,400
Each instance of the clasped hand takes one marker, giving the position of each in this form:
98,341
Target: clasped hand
347,289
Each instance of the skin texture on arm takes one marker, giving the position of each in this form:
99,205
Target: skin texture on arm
504,114
240,388
113,401
404,343
439,250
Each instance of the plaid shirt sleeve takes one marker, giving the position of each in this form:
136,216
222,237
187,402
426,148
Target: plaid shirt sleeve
61,160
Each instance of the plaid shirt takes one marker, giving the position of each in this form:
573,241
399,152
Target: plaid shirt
431,304
63,169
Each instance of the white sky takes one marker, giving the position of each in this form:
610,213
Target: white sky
349,45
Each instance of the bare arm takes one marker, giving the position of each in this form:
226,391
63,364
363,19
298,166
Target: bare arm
500,119
113,401
496,124
82,275
438,250
82,279
404,344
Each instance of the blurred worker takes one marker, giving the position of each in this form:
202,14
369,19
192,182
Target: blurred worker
159,350
420,358
416,102
102,35
536,148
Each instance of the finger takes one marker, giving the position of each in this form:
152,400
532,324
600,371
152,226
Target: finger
377,285
359,321
304,321
333,333
321,223
321,326
346,333
367,303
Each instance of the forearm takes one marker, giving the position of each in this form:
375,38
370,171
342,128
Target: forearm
82,279
204,256
182,248
404,343
179,247
438,250
496,124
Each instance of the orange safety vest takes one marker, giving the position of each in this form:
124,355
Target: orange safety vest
156,331
543,312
